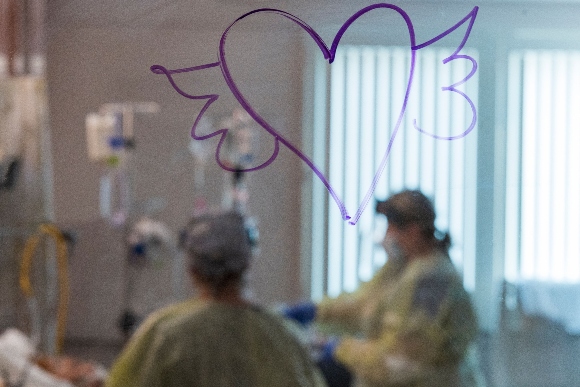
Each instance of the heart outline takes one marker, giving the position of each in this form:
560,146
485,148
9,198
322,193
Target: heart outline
329,55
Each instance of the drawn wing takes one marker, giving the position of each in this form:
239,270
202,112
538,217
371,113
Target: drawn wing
470,19
209,98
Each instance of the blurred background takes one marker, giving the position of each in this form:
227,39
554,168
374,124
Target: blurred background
96,155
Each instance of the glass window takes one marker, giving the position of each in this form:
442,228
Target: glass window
543,165
366,88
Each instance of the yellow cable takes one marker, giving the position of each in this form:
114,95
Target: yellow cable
26,264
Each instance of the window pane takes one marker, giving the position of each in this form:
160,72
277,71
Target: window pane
367,92
542,232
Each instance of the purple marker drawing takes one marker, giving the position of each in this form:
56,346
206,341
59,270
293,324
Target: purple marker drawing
329,55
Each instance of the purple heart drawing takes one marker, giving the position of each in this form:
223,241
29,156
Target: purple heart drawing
329,54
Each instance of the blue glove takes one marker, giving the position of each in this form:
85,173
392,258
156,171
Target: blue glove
303,313
328,349
334,372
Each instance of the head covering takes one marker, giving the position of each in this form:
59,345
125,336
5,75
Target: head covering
217,244
408,207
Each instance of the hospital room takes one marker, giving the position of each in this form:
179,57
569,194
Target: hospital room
289,193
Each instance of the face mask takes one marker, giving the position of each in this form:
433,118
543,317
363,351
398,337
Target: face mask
392,248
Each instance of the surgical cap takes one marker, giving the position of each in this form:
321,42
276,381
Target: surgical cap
217,244
408,207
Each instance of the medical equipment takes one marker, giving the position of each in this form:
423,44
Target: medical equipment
26,202
100,128
10,132
110,137
26,286
145,237
239,153
110,131
110,142
8,172
201,151
150,244
241,141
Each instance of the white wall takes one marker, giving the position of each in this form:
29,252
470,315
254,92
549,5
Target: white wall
89,67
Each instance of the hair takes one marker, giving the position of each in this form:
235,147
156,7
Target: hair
444,242
218,248
216,280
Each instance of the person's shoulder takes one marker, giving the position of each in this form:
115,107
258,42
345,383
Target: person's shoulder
205,318
273,321
436,264
186,310
176,309
270,315
428,265
169,313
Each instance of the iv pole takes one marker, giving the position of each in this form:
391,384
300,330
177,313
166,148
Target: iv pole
116,152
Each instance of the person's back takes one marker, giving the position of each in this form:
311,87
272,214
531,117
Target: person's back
217,339
207,343
218,344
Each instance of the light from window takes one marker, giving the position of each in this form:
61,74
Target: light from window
543,167
366,90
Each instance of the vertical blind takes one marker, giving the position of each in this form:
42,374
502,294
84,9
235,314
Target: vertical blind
543,166
365,88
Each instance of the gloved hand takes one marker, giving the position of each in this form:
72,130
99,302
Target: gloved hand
328,349
334,372
303,313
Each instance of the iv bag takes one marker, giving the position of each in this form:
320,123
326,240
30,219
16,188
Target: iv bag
241,142
100,130
10,125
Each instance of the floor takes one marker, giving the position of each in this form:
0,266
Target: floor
531,352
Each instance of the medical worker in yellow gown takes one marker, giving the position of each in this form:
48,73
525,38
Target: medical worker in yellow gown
217,339
413,324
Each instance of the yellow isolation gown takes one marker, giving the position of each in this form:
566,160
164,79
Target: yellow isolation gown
412,325
203,343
